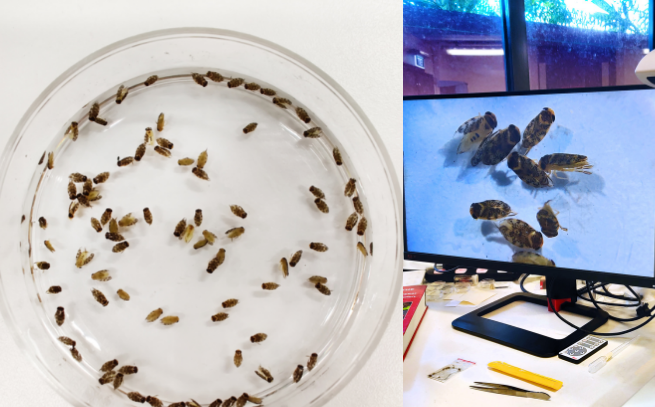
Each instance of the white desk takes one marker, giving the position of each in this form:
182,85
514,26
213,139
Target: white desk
437,344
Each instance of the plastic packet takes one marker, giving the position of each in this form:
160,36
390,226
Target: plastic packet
445,373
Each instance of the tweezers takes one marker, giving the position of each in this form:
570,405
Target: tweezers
510,391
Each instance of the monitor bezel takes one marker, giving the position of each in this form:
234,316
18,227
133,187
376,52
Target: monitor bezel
555,272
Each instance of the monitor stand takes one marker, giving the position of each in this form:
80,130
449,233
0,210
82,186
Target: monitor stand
563,295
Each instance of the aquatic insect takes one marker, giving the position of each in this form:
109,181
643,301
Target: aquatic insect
351,221
121,94
216,261
100,178
297,374
127,220
490,210
302,115
140,152
163,151
357,203
238,358
164,143
520,234
350,187
94,195
251,86
547,219
211,238
249,128
170,320
179,228
102,275
322,289
230,303
76,354
197,218
94,111
260,337
77,177
200,244
312,361
83,200
147,216
236,82
154,401
154,315
496,147
318,279
120,247
537,129
532,258
215,76
51,160
151,79
267,92
118,380
125,161
528,171
83,258
235,232
42,158
55,289
317,192
95,223
475,130
261,373
221,316
108,377
238,211
270,286
565,162
188,233
114,237
199,79
43,265
314,132
72,209
337,156
362,248
281,102
123,295
361,227
229,402
60,316
106,216
109,366
185,161
319,247
49,245
100,297
160,122
295,258
242,400
136,396
284,265
200,173
253,399
149,137
67,341
113,226
321,205
127,370
43,222
72,131
202,159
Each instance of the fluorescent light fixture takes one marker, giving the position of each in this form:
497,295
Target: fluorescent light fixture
585,6
646,51
475,52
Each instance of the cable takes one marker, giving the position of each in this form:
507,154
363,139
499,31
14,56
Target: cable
593,300
522,281
594,285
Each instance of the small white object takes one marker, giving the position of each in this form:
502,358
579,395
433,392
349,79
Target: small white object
598,364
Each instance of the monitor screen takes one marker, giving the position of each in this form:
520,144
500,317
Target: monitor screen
554,179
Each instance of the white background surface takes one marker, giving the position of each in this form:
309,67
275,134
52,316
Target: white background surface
355,42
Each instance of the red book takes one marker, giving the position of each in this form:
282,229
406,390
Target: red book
414,308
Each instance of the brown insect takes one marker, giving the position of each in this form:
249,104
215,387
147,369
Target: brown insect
43,222
230,303
94,195
154,315
362,248
147,216
118,380
200,244
236,82
72,131
264,374
94,111
351,221
77,177
107,377
249,128
199,79
100,297
318,193
127,220
235,232
537,129
314,132
114,237
238,211
136,396
83,200
163,151
170,320
125,161
186,161
230,402
55,289
102,275
565,162
179,228
188,233
359,206
42,158
267,92
202,159
154,401
160,122
43,265
295,258
260,337
221,316
72,209
140,152
302,115
284,265
67,341
76,354
297,374
83,258
282,102
520,234
109,366
100,178
127,370
337,156
350,187
197,218
361,227
319,247
323,289
528,171
270,286
22,219
120,247
51,160
60,316
547,219
252,86
496,147
215,76
238,358
106,216
318,279
253,399
490,210
149,138
312,361
526,257
200,173
216,261
113,226
95,223
121,94
49,245
151,79
209,236
242,400
87,187
191,403
321,205
371,249
165,143
181,404
216,403
123,295
72,191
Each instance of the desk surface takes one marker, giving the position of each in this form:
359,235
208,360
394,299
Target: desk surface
437,344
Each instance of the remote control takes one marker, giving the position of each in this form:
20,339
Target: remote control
582,349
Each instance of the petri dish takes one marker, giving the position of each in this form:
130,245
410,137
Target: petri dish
267,171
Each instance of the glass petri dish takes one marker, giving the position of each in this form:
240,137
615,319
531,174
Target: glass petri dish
268,172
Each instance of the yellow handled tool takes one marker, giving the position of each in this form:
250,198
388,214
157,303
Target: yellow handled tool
533,378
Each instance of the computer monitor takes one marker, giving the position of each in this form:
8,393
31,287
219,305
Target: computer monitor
556,183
